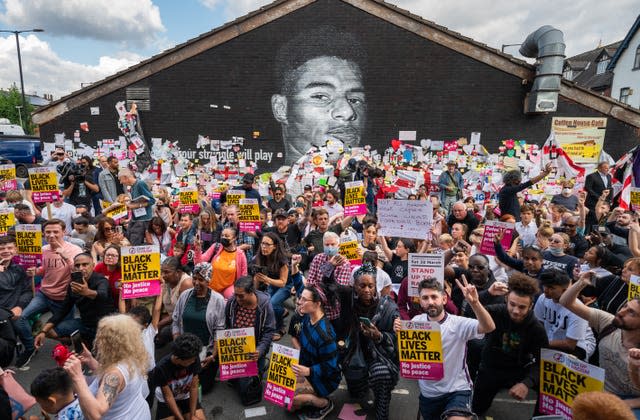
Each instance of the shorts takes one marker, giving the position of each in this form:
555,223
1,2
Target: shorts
163,411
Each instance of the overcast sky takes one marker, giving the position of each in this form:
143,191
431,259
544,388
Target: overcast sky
87,40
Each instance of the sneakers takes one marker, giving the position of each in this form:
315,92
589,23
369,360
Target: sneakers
320,413
24,358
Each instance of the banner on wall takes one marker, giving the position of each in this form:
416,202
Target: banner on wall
581,138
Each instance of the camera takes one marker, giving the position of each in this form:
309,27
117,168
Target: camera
71,168
255,269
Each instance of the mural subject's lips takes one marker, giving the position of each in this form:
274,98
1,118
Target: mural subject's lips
345,134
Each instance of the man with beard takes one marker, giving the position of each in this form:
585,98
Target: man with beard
321,92
453,391
510,358
616,333
619,222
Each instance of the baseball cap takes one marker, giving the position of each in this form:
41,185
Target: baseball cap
292,212
280,213
248,178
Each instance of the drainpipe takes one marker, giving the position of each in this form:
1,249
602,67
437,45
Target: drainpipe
546,45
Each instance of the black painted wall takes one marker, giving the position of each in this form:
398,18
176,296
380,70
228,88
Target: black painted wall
411,84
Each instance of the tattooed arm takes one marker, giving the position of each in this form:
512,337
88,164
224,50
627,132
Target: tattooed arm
111,384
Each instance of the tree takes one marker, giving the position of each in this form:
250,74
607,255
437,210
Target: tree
9,100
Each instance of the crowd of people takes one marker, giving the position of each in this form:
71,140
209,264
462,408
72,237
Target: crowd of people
562,283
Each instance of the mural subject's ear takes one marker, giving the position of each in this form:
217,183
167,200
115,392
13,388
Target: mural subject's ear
279,108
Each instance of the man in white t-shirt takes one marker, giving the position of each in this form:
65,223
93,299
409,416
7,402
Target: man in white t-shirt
63,211
453,391
566,331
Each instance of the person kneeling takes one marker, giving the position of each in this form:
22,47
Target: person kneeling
174,375
318,366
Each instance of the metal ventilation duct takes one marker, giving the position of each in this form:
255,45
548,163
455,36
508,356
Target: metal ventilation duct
546,45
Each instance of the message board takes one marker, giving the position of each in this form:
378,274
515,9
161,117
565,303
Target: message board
188,197
354,200
235,348
29,245
281,381
493,228
420,350
44,184
140,266
424,266
405,218
249,215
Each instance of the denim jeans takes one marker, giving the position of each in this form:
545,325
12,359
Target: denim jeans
432,408
39,304
278,296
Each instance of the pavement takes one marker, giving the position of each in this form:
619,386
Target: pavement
222,403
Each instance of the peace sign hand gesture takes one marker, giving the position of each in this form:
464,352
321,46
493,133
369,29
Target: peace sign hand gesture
468,290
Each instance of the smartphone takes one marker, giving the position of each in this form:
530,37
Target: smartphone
76,342
76,276
366,321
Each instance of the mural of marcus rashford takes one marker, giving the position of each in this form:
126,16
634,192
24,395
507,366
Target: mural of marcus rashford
321,95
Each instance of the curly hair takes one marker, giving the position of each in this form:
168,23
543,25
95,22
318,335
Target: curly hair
523,285
118,340
589,406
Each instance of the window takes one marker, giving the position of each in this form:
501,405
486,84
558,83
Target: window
602,65
568,74
625,92
636,61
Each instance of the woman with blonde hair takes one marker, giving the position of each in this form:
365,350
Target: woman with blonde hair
120,366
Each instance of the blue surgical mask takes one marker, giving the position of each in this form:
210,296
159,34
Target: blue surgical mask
330,251
556,251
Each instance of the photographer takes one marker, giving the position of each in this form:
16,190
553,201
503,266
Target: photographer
78,182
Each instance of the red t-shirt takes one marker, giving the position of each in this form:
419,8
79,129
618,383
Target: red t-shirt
113,277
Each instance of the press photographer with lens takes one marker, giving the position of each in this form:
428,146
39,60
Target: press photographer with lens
78,181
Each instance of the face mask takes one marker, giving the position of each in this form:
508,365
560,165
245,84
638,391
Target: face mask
567,191
225,242
330,251
556,251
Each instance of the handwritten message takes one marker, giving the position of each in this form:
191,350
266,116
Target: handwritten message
405,218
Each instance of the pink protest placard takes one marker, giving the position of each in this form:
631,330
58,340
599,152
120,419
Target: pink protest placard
281,381
235,349
491,229
140,267
420,350
354,200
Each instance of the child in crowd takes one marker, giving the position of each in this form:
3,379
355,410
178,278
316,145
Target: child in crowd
53,390
176,377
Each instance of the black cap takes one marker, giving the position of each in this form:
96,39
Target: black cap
280,213
307,187
248,178
292,212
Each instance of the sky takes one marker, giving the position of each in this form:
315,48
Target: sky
87,40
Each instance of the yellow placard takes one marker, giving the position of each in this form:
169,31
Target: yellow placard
118,212
634,287
29,240
7,172
43,181
234,197
634,198
420,346
562,378
354,195
249,210
280,372
236,349
7,220
349,250
188,197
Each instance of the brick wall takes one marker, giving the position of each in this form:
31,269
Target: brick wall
411,84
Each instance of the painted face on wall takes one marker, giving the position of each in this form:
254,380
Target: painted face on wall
326,101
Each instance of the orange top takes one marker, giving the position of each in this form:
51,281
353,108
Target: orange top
224,271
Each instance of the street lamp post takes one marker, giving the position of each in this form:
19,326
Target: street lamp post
16,33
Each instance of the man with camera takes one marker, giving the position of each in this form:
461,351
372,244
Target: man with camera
78,183
90,293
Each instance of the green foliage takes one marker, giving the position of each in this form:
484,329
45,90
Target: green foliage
11,98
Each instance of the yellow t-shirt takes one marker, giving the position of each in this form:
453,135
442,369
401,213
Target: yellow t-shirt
224,271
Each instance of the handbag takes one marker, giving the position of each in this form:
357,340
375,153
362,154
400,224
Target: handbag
20,400
250,390
354,366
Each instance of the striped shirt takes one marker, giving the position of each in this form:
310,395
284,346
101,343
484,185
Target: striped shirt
319,352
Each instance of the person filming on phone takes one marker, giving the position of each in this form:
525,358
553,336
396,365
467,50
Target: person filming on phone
90,293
